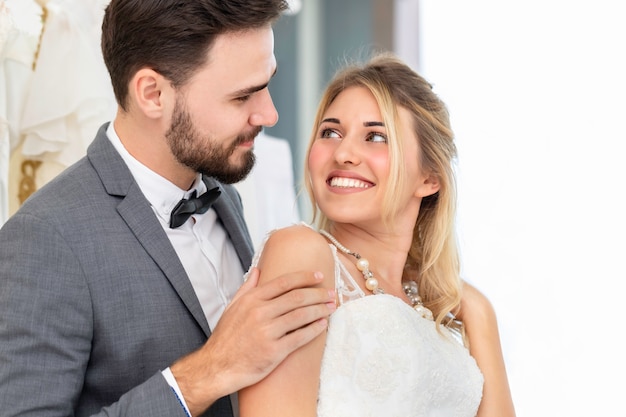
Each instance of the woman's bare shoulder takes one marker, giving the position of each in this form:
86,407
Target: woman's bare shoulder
296,239
475,305
296,248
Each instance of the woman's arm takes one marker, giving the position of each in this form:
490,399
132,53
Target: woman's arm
481,328
292,388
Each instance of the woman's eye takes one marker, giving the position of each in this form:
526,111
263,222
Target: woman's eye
377,137
329,133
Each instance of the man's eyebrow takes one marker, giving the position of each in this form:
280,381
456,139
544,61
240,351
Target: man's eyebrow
250,90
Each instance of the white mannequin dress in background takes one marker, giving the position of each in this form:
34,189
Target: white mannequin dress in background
54,88
71,94
20,28
268,193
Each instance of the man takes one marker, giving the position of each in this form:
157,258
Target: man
110,288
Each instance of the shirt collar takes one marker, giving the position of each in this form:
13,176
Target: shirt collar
162,194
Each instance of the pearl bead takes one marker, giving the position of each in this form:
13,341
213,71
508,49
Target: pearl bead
371,284
410,287
362,264
423,311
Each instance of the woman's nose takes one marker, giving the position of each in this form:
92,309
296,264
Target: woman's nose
347,152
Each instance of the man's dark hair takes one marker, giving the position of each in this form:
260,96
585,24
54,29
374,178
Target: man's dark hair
173,37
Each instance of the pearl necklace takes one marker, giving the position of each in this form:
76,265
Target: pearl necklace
371,283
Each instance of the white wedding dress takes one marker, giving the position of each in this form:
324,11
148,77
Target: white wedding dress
383,359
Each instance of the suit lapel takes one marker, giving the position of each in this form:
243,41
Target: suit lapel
142,222
228,209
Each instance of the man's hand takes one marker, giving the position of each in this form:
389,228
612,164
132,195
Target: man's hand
259,328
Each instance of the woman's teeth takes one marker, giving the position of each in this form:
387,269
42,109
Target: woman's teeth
348,183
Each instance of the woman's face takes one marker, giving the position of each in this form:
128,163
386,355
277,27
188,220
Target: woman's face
349,159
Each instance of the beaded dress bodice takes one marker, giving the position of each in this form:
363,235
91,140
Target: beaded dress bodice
383,359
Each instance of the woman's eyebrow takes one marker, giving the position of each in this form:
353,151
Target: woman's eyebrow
366,124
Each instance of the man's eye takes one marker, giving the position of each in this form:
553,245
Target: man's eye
243,99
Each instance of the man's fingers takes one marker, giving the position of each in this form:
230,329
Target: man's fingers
301,301
296,319
303,335
283,284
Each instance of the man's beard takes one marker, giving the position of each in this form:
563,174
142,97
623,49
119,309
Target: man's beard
204,155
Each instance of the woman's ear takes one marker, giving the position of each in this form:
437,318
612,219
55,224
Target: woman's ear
149,91
429,185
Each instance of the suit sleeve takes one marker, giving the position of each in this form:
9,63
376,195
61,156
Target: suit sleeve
46,329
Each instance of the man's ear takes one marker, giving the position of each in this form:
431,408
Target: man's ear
149,91
429,185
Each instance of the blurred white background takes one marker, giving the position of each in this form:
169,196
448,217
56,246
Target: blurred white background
537,96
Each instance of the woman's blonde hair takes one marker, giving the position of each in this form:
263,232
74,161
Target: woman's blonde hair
433,259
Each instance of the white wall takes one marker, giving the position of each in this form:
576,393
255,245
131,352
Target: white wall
537,94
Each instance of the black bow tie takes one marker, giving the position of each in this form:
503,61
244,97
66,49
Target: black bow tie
187,207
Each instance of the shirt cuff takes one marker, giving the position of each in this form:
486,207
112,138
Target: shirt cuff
169,377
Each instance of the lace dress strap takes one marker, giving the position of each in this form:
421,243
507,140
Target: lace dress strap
346,287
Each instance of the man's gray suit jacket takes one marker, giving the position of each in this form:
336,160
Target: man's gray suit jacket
94,302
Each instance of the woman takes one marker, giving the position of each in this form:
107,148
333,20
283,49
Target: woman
381,178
